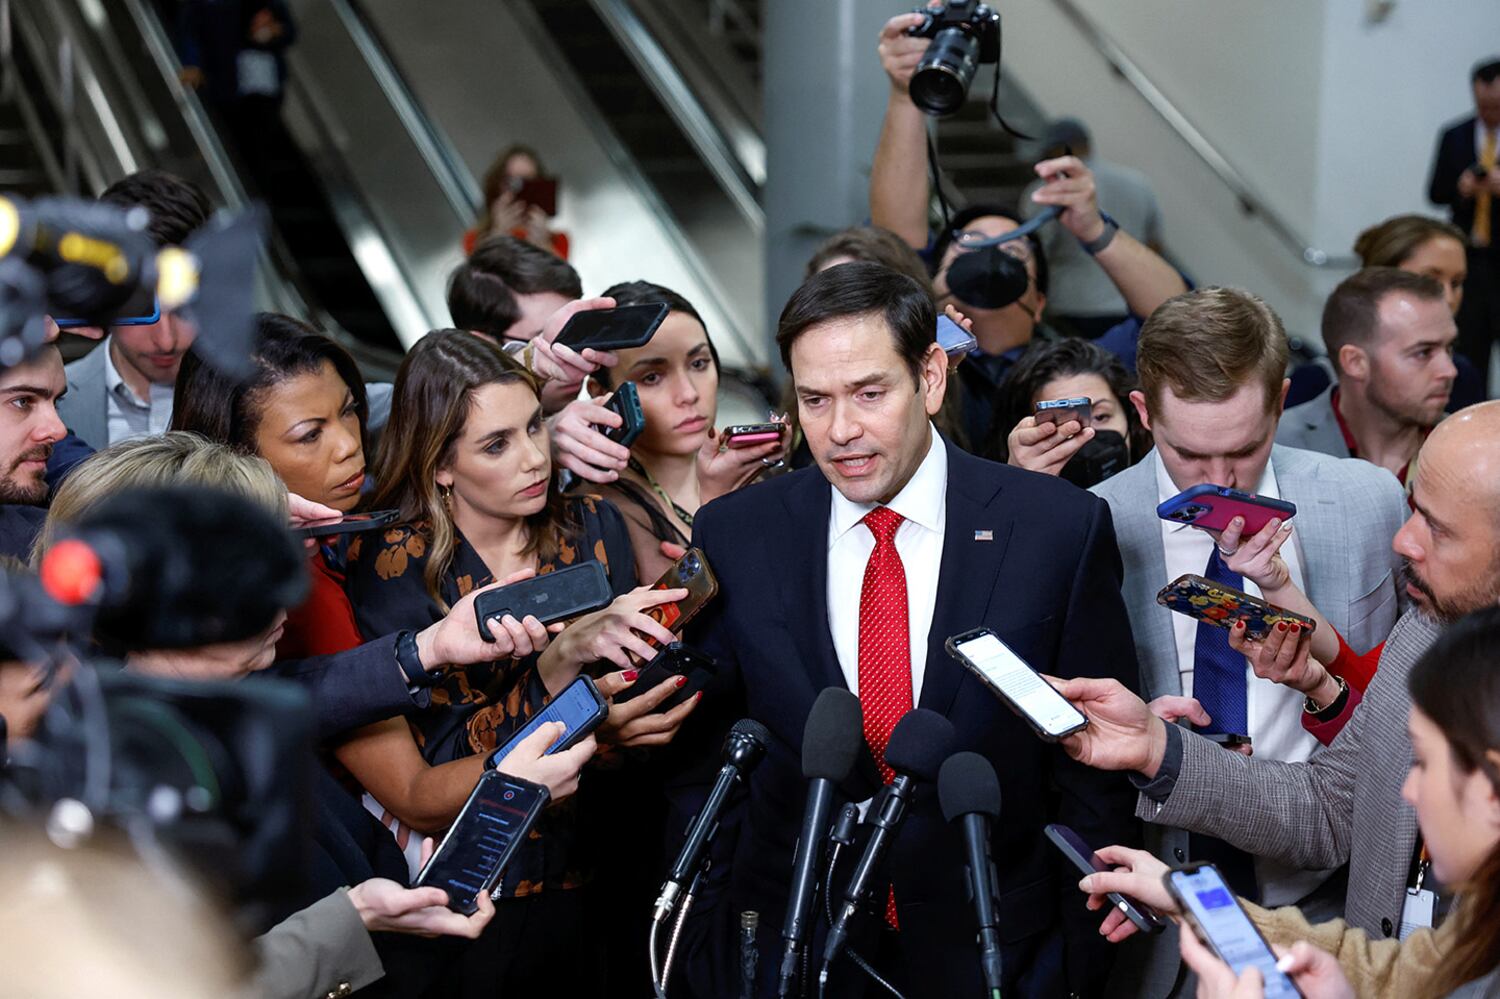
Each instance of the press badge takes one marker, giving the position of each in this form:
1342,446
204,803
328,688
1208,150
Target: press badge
1417,911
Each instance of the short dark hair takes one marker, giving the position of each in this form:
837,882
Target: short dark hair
957,223
861,289
177,207
1485,71
1352,312
874,245
482,290
1206,344
1046,361
223,410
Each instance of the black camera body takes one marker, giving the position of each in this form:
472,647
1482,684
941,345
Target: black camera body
965,35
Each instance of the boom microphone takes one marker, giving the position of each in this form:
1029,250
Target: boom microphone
831,742
919,743
744,748
969,793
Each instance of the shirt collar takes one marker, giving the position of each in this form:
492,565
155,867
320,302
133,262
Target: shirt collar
923,500
1166,488
112,379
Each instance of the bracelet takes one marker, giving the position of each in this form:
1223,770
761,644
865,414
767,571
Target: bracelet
1096,246
1333,707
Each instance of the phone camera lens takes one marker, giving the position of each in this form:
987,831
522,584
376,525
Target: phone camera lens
691,564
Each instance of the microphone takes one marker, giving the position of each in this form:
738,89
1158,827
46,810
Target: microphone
969,792
831,742
744,747
920,742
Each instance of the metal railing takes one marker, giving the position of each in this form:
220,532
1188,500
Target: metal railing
1250,200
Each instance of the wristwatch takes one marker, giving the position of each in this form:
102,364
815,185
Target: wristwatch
411,663
1333,707
1095,246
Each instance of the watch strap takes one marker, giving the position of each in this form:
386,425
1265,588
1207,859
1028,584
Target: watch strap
411,662
1096,246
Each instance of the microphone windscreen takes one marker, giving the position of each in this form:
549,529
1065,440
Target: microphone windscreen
752,728
833,735
919,744
967,785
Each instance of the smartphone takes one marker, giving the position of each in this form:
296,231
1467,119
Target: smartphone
495,821
626,401
613,329
1048,713
1223,605
1060,411
349,523
552,596
539,192
1213,507
691,572
1227,739
956,341
751,434
140,309
676,659
1209,907
580,707
1146,919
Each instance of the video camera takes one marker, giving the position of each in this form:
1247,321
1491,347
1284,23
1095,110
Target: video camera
83,259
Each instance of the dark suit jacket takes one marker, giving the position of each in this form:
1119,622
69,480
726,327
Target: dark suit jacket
1455,154
354,688
1049,585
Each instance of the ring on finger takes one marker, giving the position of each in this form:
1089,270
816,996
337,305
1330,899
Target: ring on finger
1226,554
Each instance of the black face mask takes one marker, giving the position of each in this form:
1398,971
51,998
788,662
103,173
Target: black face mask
1097,460
987,278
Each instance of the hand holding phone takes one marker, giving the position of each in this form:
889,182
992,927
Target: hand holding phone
692,573
1223,606
956,341
494,822
579,707
751,434
349,523
1072,846
551,597
626,402
1061,411
1209,907
1050,715
621,328
1212,507
677,659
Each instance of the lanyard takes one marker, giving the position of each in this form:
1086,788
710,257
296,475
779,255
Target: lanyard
639,469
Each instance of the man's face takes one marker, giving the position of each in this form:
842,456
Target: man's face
29,425
154,351
1224,443
864,415
1450,545
1407,371
536,309
1014,323
1487,102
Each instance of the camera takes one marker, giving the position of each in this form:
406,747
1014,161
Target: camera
965,35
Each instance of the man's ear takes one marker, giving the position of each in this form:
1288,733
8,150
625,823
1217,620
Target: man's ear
1286,385
932,379
1138,400
1353,362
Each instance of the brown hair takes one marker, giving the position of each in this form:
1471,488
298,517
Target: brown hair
1206,344
1390,243
874,245
495,179
1352,312
429,409
1456,685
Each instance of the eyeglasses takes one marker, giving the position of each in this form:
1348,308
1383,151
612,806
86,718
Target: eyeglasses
1018,248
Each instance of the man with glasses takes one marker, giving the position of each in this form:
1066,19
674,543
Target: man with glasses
899,200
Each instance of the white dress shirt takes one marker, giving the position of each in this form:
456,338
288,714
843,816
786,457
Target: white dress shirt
128,415
1273,711
923,502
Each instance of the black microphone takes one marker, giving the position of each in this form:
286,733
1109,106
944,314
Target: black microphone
969,792
743,749
831,742
919,743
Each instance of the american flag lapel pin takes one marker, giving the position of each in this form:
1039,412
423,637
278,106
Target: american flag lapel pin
984,535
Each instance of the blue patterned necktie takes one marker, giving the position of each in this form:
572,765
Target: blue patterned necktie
1218,670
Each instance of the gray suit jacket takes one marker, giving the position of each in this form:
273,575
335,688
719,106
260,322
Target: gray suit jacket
322,950
85,410
1313,427
1343,805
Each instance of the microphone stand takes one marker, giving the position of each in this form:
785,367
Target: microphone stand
659,980
842,835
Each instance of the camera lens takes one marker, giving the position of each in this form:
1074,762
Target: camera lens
941,82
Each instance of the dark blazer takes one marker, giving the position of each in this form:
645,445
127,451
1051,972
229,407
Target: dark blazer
351,689
1049,584
1455,154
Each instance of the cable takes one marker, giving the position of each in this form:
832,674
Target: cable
656,986
854,956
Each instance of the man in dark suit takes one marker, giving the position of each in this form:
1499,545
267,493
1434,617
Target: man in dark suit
1465,179
858,583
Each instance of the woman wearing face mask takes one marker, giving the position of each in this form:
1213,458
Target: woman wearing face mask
1454,785
466,460
678,463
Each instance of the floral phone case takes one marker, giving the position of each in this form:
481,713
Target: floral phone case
1223,605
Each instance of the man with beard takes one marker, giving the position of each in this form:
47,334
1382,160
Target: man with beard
29,426
1390,336
1343,805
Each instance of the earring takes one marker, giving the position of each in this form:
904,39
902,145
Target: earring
446,493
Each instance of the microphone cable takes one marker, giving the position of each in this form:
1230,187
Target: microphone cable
847,819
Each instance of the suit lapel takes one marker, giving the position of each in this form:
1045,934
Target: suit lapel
804,591
1321,529
1138,531
966,578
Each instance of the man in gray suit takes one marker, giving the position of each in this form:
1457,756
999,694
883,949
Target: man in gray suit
123,387
1390,336
1343,805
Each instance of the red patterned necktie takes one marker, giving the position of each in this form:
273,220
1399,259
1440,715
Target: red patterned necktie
884,647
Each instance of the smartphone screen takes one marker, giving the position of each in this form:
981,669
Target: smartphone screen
1022,686
1227,929
494,821
577,707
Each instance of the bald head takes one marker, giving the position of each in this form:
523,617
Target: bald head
1464,450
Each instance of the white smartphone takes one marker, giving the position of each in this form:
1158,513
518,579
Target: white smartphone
1048,713
1212,912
